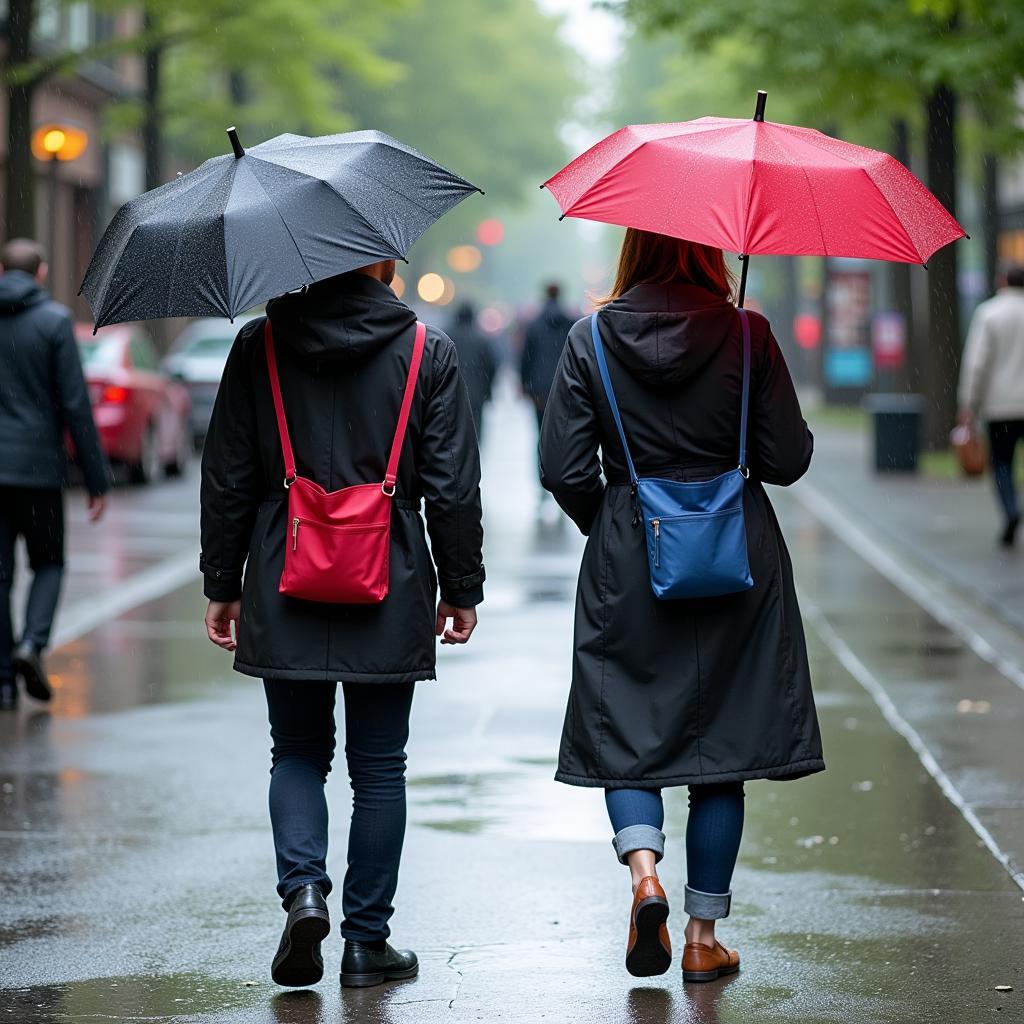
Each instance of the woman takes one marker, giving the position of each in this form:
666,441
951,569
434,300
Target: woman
343,349
701,693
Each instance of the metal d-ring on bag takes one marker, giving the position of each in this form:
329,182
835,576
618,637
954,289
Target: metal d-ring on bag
696,533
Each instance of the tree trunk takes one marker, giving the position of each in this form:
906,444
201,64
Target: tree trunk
941,361
20,213
152,127
902,302
990,219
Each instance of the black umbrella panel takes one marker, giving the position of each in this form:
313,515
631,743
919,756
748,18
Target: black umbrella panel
243,228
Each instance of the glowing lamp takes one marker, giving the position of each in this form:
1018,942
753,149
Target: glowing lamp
58,142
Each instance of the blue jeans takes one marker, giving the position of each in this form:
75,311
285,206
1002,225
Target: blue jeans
713,831
376,731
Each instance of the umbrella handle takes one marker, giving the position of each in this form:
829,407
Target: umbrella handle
745,260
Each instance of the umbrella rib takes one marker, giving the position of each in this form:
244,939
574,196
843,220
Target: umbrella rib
285,223
817,213
913,244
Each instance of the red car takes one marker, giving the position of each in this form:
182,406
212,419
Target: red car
142,414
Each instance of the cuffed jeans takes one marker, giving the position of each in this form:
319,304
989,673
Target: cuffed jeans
713,832
37,514
302,728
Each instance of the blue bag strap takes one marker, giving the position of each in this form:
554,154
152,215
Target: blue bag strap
602,365
746,390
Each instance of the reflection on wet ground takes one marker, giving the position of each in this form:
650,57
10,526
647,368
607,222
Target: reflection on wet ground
136,868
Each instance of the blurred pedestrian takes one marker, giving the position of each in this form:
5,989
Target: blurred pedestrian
706,693
542,349
992,387
477,360
344,349
42,394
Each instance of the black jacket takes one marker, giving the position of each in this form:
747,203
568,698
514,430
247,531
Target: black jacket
678,692
343,350
477,361
42,392
542,349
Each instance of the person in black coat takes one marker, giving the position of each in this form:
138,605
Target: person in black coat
477,360
42,394
542,349
704,693
343,348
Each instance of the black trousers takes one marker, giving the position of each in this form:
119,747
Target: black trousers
37,514
302,728
1003,437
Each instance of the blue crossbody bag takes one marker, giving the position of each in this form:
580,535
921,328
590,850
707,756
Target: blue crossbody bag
696,533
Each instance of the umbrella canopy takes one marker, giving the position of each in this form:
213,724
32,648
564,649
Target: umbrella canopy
243,228
756,188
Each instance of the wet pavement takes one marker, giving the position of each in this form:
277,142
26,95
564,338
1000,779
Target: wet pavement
136,867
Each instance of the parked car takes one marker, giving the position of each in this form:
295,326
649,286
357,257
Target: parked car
141,413
197,359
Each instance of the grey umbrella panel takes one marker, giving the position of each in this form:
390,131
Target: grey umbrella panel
290,211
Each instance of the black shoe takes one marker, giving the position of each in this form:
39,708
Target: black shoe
1010,533
363,966
9,695
298,961
29,665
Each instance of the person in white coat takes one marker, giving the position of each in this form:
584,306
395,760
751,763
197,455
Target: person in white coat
992,386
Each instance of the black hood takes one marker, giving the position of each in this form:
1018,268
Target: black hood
342,319
19,291
666,333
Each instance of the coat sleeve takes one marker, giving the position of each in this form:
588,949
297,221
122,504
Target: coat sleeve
76,410
570,468
977,358
232,482
779,442
448,465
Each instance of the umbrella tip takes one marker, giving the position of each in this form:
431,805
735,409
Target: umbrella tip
235,144
762,99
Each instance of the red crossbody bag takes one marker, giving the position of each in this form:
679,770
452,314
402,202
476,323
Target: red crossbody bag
339,541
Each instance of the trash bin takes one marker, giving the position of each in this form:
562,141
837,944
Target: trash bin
897,425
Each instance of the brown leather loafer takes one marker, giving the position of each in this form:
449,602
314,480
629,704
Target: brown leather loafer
649,950
706,963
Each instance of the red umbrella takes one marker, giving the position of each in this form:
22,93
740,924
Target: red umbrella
756,188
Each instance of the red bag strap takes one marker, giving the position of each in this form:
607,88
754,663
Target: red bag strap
391,475
403,417
282,423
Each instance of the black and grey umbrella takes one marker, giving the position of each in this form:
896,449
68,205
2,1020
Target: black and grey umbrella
243,228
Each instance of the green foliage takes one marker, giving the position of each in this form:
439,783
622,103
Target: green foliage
859,63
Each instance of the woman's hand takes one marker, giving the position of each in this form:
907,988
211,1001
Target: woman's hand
463,623
219,617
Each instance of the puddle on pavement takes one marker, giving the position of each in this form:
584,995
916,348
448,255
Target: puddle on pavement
167,997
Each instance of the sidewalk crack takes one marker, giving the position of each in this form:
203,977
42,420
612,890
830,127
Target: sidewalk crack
458,987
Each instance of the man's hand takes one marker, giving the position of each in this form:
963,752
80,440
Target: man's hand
97,506
219,617
463,623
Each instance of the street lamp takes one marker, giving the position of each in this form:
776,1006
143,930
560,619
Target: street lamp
53,143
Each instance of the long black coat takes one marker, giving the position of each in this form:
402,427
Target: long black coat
343,350
669,693
42,392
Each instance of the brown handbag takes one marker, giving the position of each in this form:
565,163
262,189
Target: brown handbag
969,449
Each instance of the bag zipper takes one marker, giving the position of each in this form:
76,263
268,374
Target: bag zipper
656,523
295,533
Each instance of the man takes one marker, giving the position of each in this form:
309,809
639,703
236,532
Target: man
992,387
477,361
343,349
42,394
542,350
